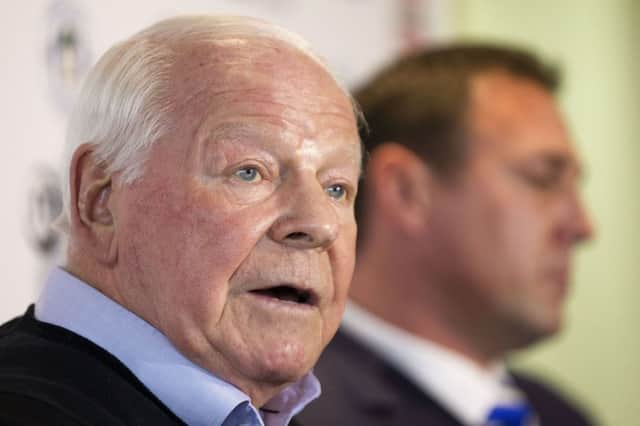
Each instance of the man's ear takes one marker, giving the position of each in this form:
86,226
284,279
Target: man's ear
401,183
90,204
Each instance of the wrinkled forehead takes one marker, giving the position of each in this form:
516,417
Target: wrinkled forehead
256,79
206,69
256,82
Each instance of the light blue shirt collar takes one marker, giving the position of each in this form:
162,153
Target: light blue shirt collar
192,393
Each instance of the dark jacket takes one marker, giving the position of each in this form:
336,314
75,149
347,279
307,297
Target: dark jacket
359,388
51,376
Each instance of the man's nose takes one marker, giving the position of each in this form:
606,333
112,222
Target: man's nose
585,227
308,219
577,223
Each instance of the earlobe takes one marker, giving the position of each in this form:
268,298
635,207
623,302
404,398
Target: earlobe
90,203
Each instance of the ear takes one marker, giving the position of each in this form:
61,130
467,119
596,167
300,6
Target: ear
90,204
401,183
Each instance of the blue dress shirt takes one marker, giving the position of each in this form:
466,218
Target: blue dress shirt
195,395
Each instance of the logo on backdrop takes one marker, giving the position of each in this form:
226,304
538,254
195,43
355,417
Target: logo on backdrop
67,58
67,52
44,204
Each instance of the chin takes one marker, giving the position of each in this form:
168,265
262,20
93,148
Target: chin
287,362
529,328
540,332
551,322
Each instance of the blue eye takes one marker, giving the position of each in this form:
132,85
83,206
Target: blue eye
248,174
336,191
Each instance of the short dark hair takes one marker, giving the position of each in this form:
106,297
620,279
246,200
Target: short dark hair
420,101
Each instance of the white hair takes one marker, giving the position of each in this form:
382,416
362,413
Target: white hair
124,106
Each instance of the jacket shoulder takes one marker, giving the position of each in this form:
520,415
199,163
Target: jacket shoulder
358,387
47,367
552,407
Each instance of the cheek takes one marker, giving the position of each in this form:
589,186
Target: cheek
505,217
212,245
518,244
342,259
486,238
524,230
217,233
342,254
184,250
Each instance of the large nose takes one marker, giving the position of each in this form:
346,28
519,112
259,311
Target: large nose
577,223
308,219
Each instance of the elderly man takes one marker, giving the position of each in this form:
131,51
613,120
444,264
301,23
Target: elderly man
469,216
212,178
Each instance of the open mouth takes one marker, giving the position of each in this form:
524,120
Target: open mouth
289,294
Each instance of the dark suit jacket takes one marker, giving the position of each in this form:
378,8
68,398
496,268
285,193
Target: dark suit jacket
51,376
359,388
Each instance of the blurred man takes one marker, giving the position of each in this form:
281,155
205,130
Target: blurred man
211,232
468,218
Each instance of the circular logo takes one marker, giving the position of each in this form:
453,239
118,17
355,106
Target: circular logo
44,205
67,52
